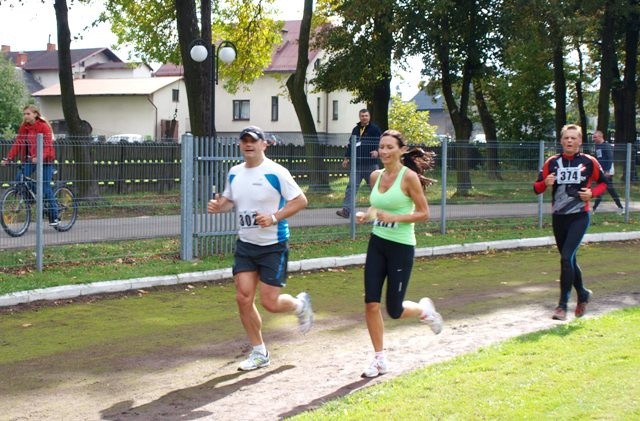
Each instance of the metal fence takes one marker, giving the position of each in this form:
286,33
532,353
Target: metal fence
137,191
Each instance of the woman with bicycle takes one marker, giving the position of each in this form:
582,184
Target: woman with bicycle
24,148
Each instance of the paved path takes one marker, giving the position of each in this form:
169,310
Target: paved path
96,230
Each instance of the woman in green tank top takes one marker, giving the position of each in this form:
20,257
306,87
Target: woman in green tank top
397,203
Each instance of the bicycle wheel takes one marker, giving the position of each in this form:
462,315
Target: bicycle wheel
15,213
67,208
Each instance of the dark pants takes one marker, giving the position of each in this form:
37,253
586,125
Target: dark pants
568,231
363,172
612,191
47,175
391,261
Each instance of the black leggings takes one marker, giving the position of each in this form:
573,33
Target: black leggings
568,231
390,260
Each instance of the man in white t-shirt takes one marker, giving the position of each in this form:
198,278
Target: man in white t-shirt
263,194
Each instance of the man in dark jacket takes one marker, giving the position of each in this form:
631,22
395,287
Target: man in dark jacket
367,135
604,155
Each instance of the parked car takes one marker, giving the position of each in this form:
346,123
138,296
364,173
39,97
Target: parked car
479,138
441,138
125,138
273,139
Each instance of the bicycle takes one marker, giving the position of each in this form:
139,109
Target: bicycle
16,203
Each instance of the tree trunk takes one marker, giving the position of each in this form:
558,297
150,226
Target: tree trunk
630,88
382,86
559,87
489,128
580,97
607,66
318,177
462,124
195,74
78,130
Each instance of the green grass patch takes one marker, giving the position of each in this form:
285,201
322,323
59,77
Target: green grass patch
586,369
85,263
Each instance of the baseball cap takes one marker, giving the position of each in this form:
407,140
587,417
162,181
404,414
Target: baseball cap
254,131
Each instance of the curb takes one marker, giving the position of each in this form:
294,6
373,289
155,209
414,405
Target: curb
73,291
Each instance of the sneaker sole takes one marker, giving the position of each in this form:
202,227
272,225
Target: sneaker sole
256,367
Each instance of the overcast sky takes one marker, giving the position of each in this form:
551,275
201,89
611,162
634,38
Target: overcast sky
28,28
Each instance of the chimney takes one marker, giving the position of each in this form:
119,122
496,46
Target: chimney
6,49
21,59
51,47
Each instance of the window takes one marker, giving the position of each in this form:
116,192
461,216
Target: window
274,108
335,109
318,104
175,95
241,109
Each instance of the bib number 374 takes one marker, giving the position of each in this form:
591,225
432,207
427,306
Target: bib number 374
568,175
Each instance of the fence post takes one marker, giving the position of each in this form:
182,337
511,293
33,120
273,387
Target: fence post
627,182
186,198
39,200
443,194
353,171
540,196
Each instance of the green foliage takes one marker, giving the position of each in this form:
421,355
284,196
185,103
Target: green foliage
149,26
357,46
12,98
412,124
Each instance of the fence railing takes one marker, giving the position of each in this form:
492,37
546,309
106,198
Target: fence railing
133,191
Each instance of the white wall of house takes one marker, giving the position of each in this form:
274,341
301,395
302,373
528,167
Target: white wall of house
109,115
139,114
260,102
46,78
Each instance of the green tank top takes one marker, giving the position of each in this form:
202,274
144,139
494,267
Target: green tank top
396,202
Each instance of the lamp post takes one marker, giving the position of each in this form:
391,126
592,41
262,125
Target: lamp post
225,51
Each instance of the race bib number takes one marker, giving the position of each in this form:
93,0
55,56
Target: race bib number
379,223
247,219
569,175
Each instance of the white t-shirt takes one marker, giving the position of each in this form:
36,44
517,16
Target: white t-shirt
265,189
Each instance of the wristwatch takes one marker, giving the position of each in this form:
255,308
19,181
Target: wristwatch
274,219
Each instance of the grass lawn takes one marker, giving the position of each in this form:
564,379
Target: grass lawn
85,263
586,369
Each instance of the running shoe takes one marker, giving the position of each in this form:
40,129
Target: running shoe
581,308
54,223
559,314
620,211
430,315
305,316
377,367
256,360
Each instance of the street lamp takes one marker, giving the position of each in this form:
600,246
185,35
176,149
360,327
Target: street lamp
225,51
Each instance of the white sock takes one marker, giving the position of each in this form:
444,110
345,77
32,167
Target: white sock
380,355
261,349
299,306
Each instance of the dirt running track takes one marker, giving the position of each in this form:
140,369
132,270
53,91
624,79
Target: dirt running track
305,371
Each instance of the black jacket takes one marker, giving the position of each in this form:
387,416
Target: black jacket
365,144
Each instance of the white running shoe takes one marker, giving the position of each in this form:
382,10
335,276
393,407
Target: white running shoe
255,360
376,368
430,315
305,316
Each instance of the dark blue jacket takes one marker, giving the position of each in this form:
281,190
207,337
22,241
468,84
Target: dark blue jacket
366,143
604,155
